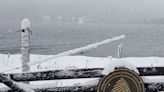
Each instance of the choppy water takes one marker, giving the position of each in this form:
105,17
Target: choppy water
54,37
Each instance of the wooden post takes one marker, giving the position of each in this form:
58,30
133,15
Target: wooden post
119,51
25,44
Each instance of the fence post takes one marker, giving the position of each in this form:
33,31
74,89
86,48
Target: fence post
25,44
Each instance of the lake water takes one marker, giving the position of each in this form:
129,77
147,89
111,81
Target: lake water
55,37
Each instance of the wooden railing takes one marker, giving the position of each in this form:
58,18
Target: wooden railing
74,74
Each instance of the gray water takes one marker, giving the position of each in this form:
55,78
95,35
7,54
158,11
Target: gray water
53,38
61,25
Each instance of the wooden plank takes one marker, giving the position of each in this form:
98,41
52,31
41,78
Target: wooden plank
69,89
151,71
57,74
78,73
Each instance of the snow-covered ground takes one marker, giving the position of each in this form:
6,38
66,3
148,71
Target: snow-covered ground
9,63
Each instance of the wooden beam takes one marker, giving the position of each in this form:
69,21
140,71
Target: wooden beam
69,89
57,74
151,71
10,83
73,74
78,73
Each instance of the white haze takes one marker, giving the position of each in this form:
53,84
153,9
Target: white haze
100,10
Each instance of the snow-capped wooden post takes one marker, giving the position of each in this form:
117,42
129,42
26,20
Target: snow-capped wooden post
25,44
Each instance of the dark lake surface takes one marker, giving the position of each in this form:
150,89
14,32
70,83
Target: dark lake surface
54,37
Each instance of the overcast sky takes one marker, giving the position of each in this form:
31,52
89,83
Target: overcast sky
105,10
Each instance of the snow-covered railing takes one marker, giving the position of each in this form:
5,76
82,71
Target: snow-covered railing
78,73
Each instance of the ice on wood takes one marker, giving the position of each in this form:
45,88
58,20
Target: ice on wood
25,23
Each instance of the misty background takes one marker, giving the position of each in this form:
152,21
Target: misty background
61,25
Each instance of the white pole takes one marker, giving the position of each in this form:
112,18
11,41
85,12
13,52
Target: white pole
25,44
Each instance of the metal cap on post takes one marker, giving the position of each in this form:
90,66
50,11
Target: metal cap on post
25,44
